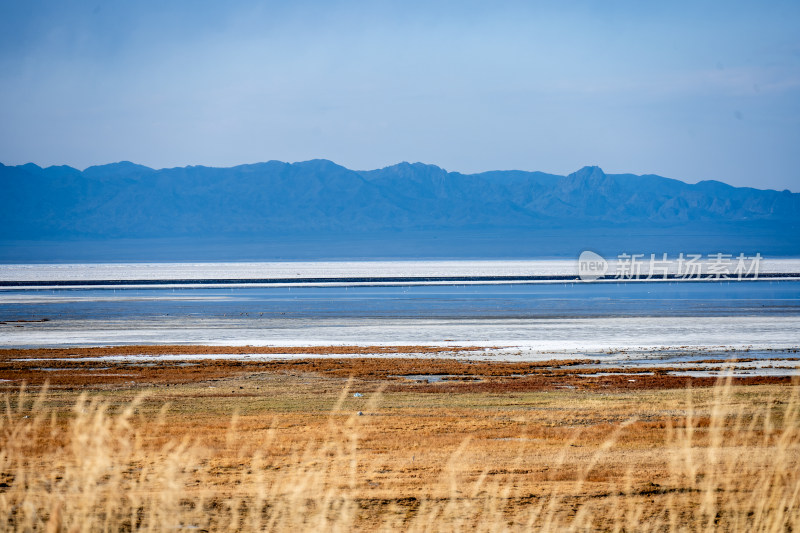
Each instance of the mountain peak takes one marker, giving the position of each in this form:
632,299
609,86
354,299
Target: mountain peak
319,165
121,168
589,172
406,166
588,180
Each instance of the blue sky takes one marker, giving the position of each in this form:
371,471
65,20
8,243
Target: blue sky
688,90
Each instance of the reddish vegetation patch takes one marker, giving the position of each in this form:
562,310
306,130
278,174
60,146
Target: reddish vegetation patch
63,353
63,371
740,360
574,381
376,368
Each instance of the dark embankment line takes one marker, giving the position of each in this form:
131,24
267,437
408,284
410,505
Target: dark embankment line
277,281
367,280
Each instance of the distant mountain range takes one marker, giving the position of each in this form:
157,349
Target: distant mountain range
276,199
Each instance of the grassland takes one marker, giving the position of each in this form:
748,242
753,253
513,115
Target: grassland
344,444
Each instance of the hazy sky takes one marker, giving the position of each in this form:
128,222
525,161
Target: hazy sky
694,90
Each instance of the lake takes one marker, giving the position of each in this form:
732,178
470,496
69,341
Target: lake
519,318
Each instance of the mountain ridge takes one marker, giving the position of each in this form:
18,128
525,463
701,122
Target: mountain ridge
275,198
417,164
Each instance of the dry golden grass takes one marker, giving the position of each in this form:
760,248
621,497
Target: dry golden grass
281,452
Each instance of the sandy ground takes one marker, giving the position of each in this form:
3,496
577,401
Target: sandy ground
400,434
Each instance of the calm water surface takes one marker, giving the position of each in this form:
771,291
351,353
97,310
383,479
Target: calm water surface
571,300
